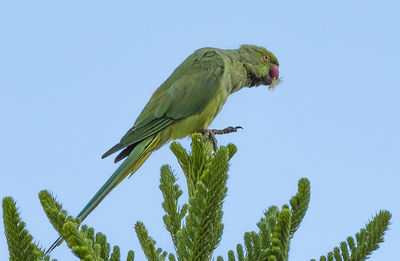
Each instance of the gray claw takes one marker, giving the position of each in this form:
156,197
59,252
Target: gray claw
210,134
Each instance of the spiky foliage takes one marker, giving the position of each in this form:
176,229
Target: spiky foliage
19,240
171,192
299,204
367,240
196,226
276,229
83,241
148,244
203,227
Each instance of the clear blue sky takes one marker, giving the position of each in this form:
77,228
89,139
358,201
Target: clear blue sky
74,76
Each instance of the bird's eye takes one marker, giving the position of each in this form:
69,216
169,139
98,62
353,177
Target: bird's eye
267,58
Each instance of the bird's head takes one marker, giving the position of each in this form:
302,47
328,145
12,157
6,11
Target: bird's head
261,65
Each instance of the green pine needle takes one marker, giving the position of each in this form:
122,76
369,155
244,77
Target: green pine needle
203,228
367,240
299,204
116,255
171,193
80,244
83,241
283,231
206,175
19,240
171,257
148,244
53,210
276,228
240,252
131,255
266,226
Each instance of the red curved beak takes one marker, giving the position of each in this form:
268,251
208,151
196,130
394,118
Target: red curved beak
274,72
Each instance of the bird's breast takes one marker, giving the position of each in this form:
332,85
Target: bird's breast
193,123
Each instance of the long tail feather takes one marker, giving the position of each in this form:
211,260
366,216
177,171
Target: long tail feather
114,149
135,159
54,245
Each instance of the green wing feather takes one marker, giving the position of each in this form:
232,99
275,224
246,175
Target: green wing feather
186,92
135,135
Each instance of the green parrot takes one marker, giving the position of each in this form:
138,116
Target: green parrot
187,102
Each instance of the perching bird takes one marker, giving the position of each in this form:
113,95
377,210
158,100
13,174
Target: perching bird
186,102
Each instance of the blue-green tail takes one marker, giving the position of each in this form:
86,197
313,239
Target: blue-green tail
135,159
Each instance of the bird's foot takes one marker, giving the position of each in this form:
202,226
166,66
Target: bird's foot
210,134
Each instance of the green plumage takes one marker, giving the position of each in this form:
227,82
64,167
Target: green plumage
188,101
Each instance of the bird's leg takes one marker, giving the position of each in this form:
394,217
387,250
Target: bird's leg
210,134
